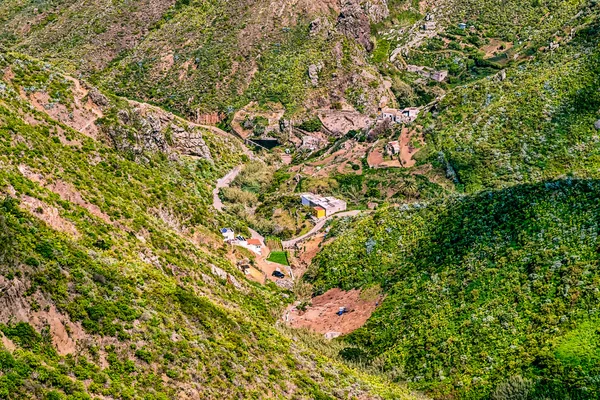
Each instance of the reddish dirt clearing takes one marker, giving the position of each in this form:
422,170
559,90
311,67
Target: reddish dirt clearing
321,316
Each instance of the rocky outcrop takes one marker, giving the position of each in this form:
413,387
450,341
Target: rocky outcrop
313,73
355,19
143,128
98,98
377,10
597,125
320,26
354,23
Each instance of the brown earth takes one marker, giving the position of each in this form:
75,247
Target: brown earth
341,122
81,117
7,343
310,248
407,151
491,49
16,307
321,316
375,157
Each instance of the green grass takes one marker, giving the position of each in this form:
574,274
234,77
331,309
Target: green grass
279,257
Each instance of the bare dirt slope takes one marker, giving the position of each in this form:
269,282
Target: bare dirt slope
321,316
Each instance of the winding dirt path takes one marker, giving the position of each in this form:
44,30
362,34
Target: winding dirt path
292,242
223,183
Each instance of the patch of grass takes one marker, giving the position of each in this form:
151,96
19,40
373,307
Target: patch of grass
279,257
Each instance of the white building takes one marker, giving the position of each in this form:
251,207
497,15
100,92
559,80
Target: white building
228,234
254,245
331,205
399,116
393,148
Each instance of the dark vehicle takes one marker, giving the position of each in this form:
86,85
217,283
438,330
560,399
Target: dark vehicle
278,274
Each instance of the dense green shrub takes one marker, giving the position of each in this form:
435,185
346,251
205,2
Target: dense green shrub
479,289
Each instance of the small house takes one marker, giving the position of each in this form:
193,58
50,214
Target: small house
330,205
410,113
389,114
428,26
255,245
393,148
319,212
439,76
228,234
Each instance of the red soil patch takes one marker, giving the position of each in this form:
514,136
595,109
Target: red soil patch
493,47
375,157
8,74
321,316
81,117
310,248
66,193
407,151
341,122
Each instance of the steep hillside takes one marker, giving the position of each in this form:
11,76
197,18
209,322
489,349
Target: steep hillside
113,280
199,57
538,123
493,294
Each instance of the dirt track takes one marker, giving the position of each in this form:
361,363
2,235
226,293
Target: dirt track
292,242
223,183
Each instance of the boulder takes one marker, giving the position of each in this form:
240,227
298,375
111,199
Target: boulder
97,97
313,73
377,10
146,129
597,125
220,273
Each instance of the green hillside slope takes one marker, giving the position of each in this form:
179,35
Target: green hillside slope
113,280
536,124
198,57
481,290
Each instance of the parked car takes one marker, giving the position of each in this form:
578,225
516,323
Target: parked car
278,274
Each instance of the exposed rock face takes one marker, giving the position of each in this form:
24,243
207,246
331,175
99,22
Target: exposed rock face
597,125
320,26
97,97
377,10
354,23
12,300
313,73
145,129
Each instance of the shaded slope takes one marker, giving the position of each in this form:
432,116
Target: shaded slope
480,289
537,124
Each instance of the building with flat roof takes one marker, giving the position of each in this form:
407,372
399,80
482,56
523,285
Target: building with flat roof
329,205
405,115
